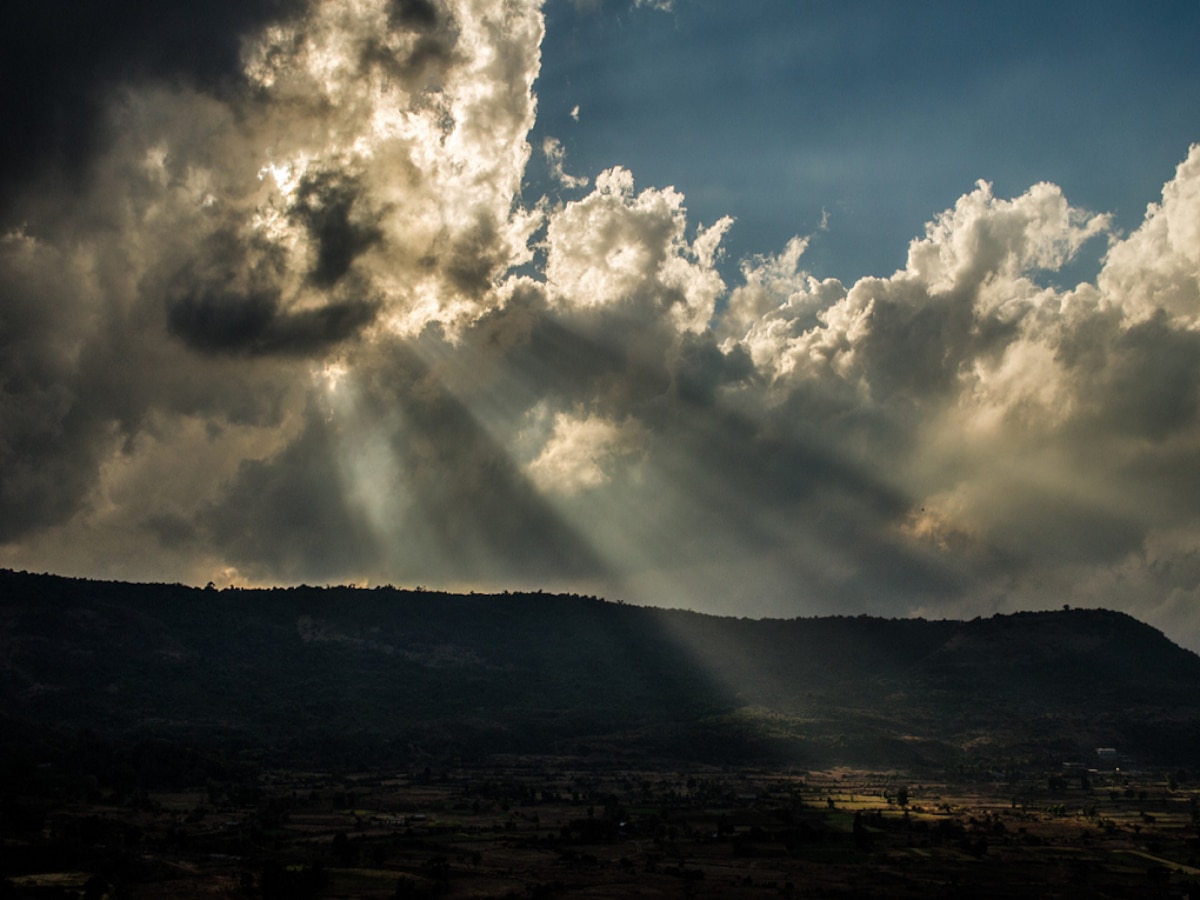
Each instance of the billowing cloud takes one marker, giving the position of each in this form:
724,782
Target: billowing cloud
579,452
1033,428
616,247
1157,268
299,322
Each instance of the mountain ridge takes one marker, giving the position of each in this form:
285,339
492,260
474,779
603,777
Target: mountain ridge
306,673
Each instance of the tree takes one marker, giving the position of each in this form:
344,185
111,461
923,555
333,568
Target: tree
341,848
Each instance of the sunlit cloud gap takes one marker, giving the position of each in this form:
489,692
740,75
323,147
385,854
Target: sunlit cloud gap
450,531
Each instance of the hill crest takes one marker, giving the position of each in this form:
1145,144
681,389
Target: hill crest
378,671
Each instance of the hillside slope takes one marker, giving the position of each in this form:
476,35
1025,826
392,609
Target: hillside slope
363,675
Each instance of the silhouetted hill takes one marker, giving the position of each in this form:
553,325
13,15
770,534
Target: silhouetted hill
343,675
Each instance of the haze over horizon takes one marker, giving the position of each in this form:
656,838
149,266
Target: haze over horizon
841,308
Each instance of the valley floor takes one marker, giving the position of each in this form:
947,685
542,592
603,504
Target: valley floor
567,827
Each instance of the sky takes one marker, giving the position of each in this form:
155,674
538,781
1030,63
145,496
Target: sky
780,309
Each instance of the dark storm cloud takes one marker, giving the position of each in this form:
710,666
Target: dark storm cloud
229,298
175,293
50,437
221,322
418,14
171,530
59,60
423,67
915,350
1142,380
474,259
77,387
47,462
704,369
326,205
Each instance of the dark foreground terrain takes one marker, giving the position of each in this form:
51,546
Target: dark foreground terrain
166,741
562,827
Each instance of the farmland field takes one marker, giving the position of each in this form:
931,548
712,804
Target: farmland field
574,827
